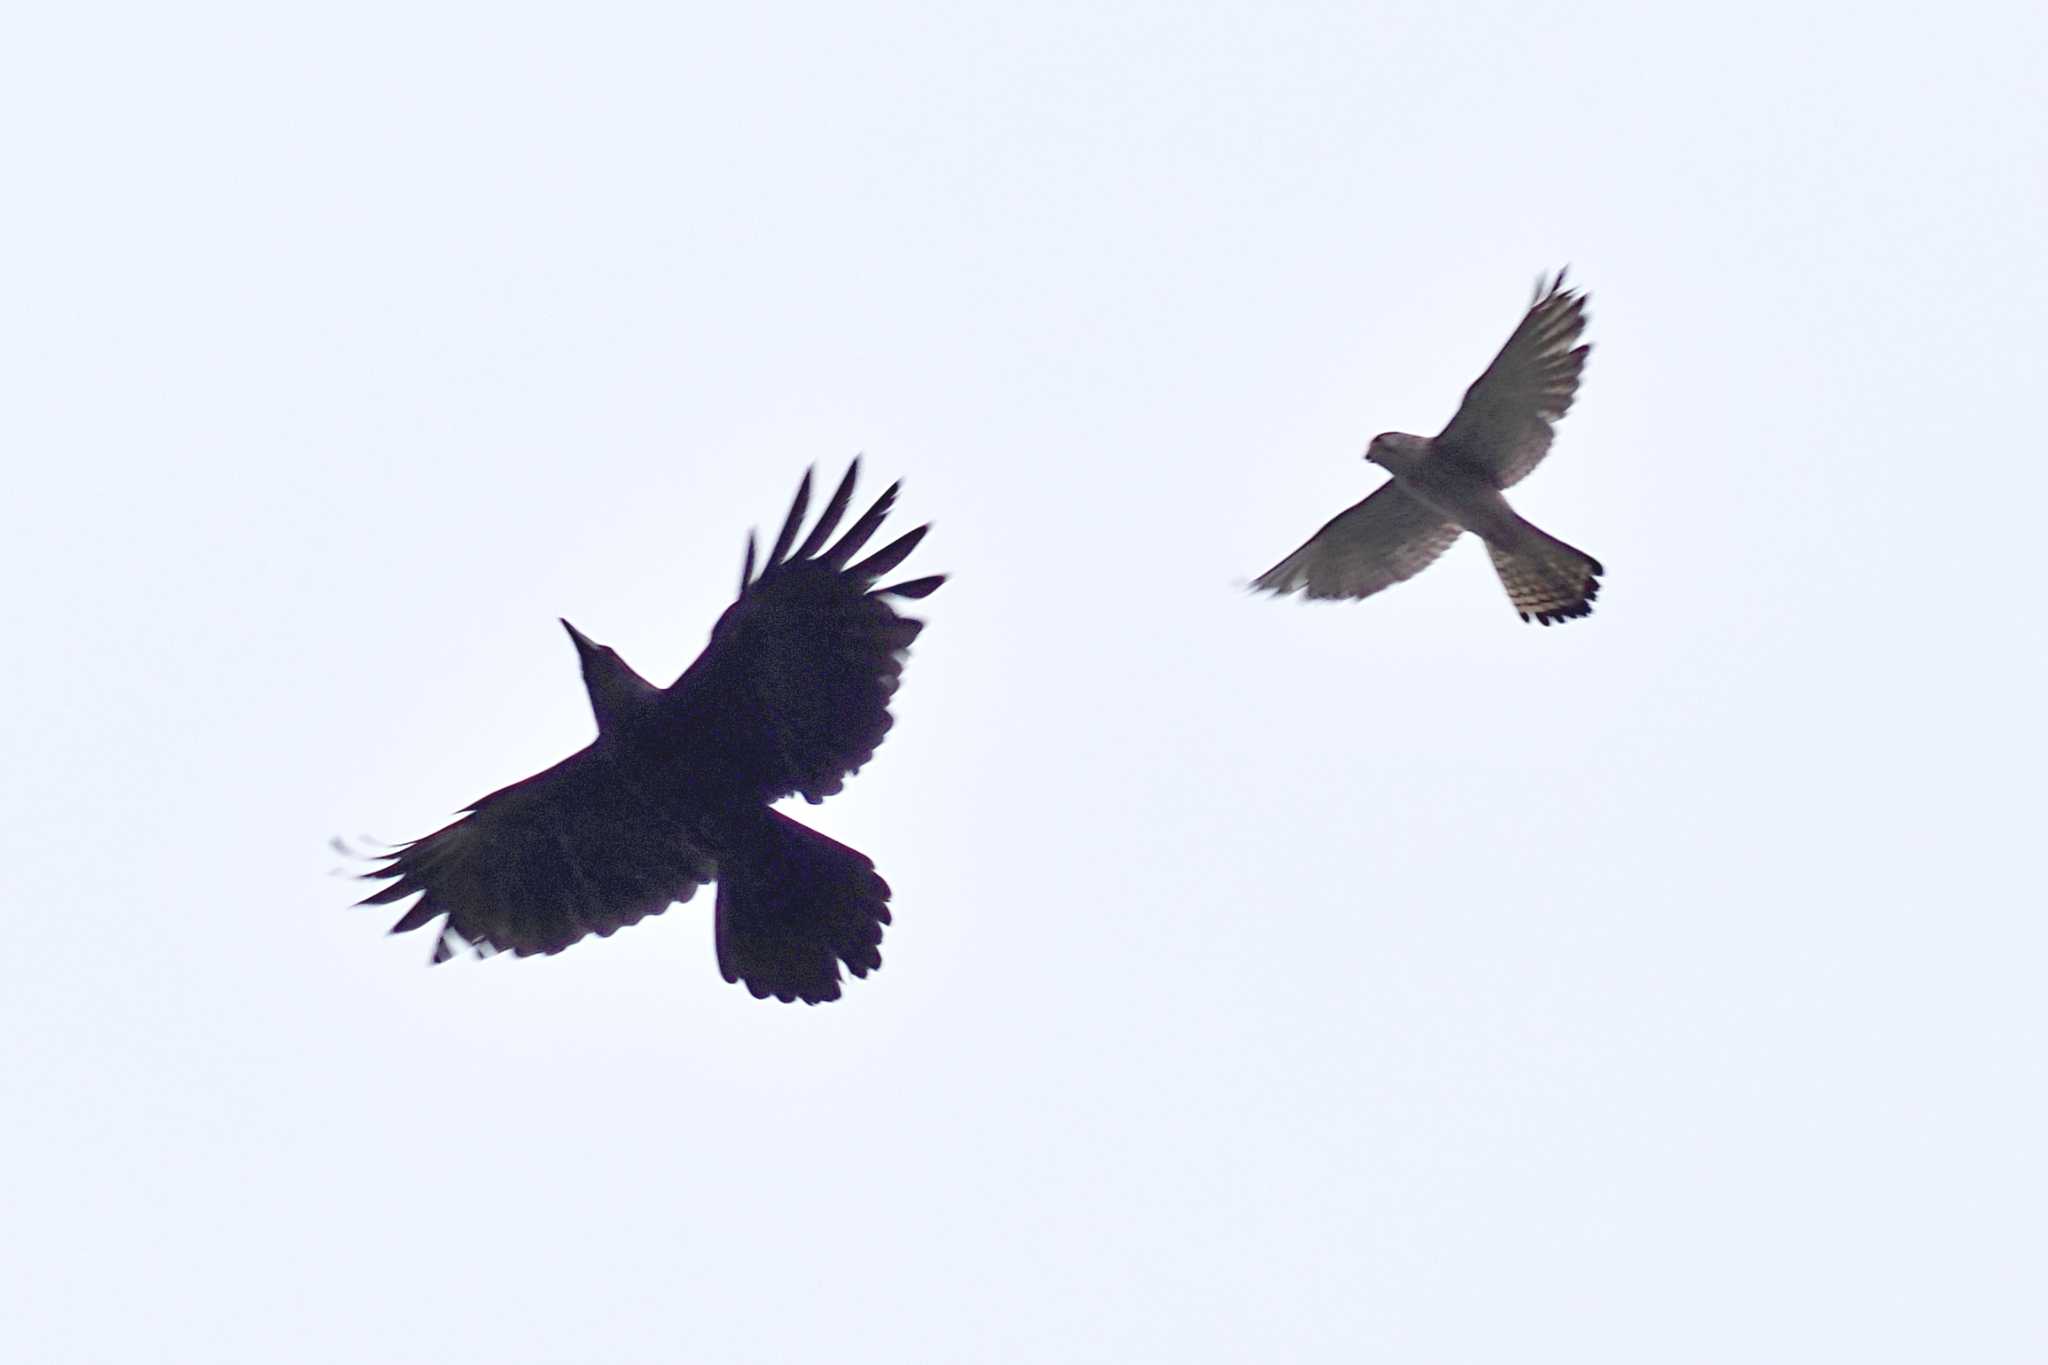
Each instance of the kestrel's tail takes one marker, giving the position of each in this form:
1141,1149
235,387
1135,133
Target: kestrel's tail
1547,580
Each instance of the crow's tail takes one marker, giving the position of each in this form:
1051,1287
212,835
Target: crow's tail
793,905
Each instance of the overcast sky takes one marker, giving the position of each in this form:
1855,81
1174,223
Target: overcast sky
1383,981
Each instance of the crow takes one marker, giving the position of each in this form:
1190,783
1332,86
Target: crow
790,697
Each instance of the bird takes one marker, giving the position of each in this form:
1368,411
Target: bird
790,697
1446,485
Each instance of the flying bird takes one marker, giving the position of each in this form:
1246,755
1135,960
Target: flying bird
1450,484
790,697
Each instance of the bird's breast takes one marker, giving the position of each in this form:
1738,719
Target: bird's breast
1461,496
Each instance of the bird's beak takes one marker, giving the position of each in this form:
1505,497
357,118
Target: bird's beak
584,644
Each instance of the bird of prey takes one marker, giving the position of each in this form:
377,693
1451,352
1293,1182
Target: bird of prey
790,697
1451,484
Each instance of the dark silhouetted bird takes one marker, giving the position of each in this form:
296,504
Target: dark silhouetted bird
1446,486
790,697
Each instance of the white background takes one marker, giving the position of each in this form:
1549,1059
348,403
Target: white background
1387,981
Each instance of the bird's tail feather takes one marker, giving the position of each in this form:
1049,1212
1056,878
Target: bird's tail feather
792,906
1547,580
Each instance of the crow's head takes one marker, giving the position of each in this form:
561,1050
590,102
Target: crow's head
616,691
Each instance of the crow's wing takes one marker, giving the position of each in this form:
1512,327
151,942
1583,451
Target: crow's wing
533,867
1504,424
1371,545
792,694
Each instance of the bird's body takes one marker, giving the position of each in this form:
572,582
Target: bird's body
1445,486
1455,491
790,697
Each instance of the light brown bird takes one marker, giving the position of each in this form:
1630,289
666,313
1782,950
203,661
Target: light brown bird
1446,486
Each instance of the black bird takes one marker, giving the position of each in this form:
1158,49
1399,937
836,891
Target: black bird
791,696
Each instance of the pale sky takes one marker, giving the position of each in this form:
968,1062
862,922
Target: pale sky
1385,981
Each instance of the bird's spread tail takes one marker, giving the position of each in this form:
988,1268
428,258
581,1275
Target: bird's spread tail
793,905
1546,579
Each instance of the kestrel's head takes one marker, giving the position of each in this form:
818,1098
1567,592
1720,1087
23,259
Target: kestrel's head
1397,452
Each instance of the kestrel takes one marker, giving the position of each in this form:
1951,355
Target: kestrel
1452,484
791,696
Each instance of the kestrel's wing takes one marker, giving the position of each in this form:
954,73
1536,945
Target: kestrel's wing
533,867
1375,544
792,694
1504,424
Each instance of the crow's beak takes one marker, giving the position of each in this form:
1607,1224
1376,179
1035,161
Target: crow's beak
584,644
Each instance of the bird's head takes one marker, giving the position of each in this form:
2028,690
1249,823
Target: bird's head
616,691
1396,451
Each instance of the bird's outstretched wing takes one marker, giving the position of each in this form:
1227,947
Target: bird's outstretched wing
571,851
792,694
1504,424
1372,545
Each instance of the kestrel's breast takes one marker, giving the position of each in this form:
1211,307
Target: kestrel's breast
1464,496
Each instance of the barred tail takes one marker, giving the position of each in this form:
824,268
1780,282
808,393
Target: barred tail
1547,580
